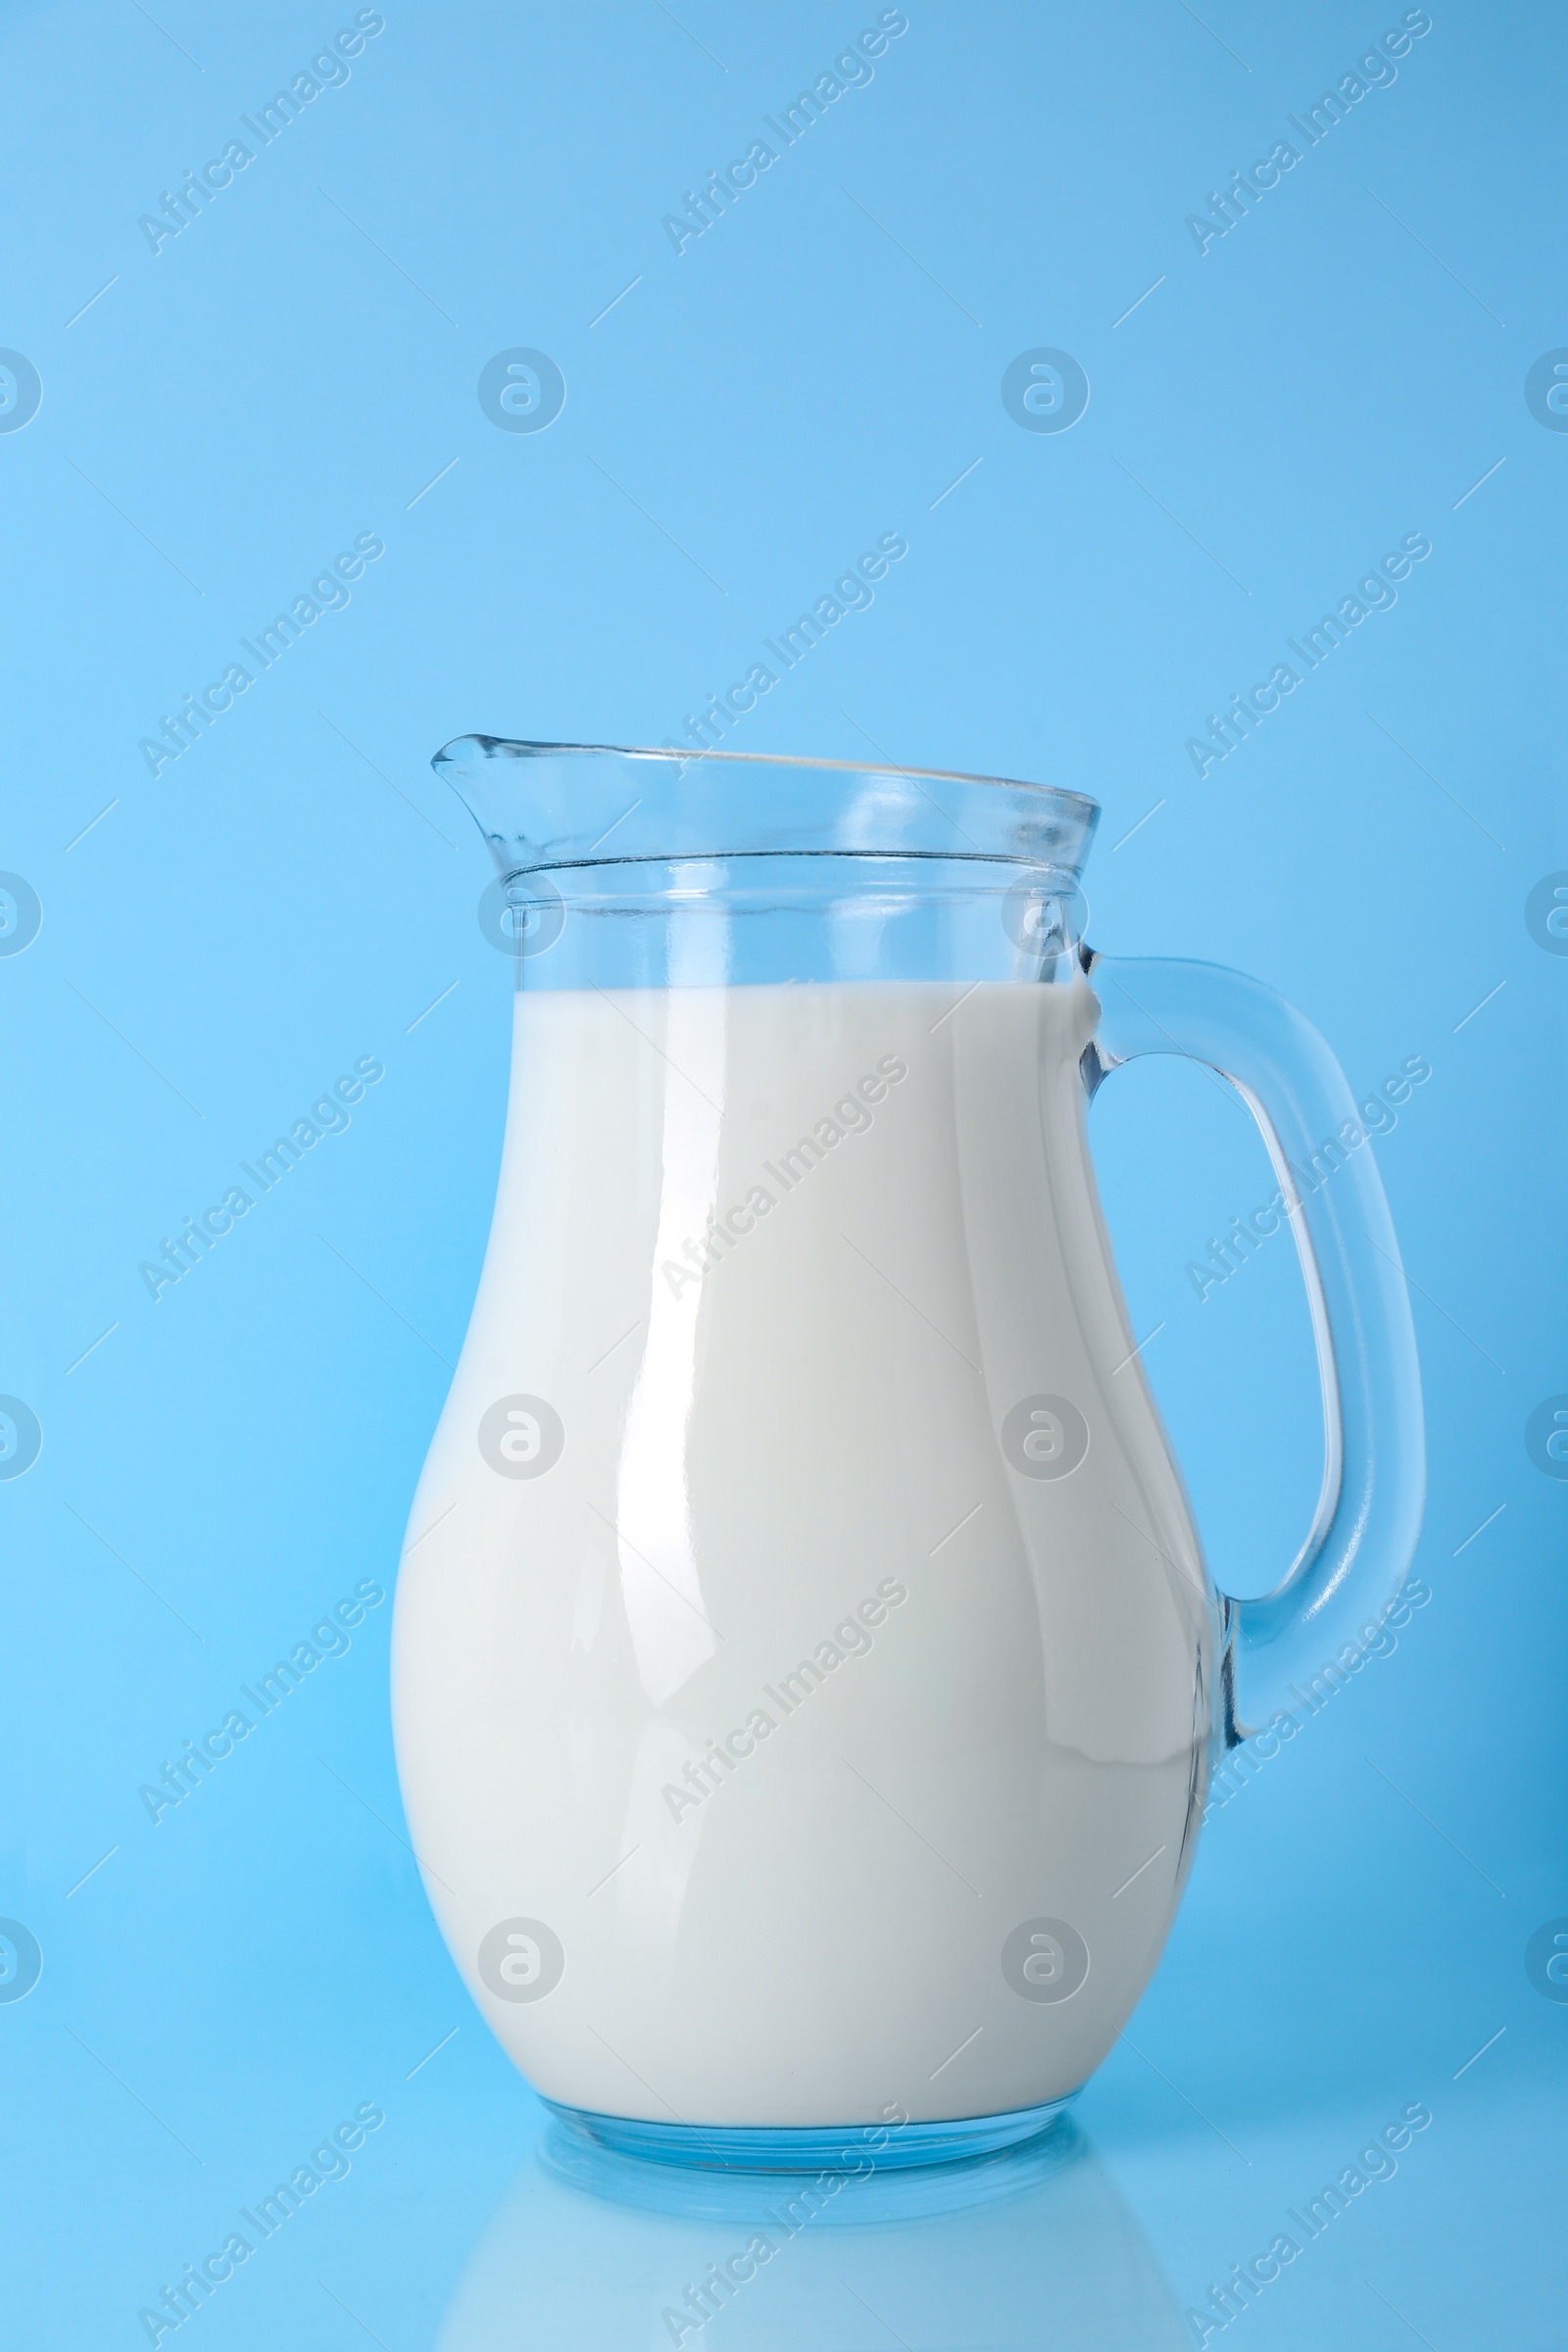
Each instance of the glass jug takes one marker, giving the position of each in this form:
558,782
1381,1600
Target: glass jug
805,1675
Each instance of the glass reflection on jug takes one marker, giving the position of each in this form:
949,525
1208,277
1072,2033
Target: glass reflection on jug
806,1671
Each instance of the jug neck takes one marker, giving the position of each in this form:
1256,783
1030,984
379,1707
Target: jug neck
552,804
636,868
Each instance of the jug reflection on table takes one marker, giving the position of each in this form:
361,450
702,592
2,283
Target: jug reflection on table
806,1671
1033,2245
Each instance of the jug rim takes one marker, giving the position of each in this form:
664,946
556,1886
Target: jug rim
524,748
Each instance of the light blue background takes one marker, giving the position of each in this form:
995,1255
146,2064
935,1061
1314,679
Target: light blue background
294,370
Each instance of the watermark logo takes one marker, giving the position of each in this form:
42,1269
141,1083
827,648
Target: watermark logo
1546,1959
1045,1437
1375,592
20,1437
328,2162
854,591
328,1114
1546,1436
21,914
197,1760
328,592
521,1437
1247,1234
1545,391
1374,69
20,391
853,1638
1228,2302
851,1114
1546,913
1045,390
1046,914
20,1960
521,1960
521,390
328,69
1045,1960
1377,1638
850,70
787,2215
522,915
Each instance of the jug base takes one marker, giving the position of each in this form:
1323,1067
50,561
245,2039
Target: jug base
811,2148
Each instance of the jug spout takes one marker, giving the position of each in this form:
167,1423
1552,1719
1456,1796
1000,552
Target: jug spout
543,805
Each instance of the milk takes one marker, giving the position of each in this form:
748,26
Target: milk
804,1658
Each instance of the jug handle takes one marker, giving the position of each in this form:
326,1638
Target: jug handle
1368,1516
